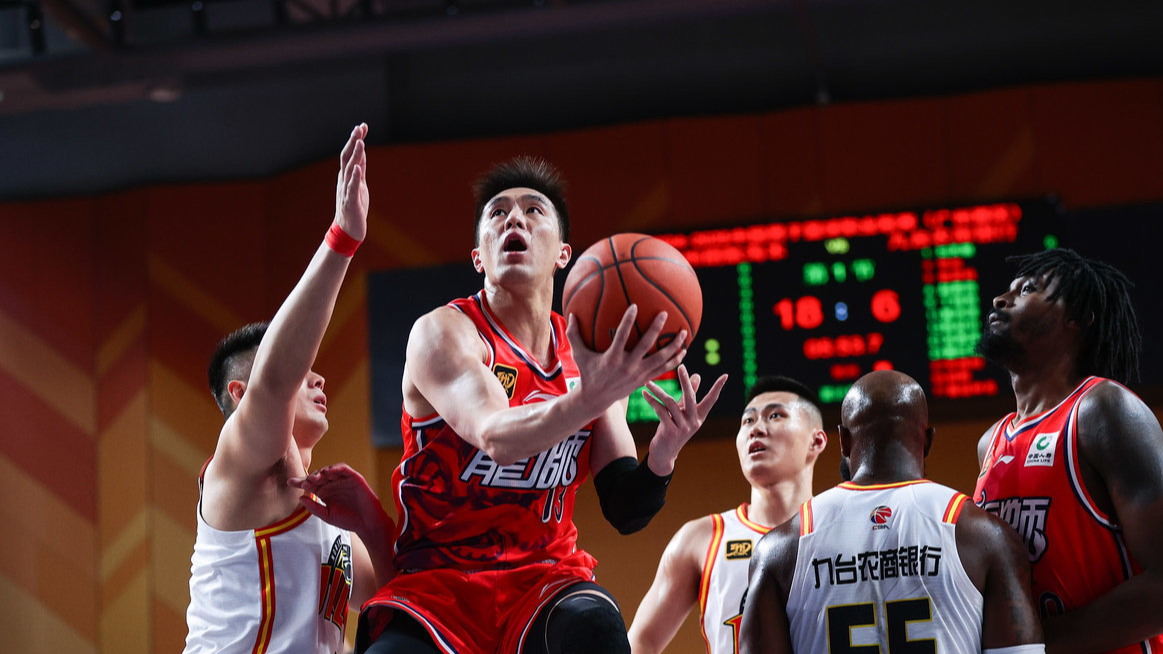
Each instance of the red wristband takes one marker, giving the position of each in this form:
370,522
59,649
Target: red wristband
340,241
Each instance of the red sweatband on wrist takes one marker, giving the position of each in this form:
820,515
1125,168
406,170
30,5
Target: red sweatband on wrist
340,241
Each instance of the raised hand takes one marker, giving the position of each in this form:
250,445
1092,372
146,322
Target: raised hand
351,194
610,376
678,422
341,496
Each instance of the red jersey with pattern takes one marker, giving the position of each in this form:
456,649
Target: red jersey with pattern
457,507
1031,479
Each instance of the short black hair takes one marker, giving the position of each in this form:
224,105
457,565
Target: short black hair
780,384
1097,298
232,360
521,172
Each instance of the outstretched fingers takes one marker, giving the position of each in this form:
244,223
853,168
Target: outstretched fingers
712,396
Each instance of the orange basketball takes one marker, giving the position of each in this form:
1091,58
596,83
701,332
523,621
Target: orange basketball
627,269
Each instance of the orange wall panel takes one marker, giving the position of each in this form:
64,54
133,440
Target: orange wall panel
618,180
793,171
991,146
716,169
883,155
46,273
1100,143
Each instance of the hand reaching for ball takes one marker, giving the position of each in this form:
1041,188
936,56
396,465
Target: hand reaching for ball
610,376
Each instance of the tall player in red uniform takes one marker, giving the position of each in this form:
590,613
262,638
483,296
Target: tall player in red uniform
502,422
1078,468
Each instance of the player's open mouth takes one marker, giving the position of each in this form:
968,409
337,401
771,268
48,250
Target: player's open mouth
515,243
756,446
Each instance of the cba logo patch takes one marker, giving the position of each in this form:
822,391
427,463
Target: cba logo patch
508,378
880,516
738,549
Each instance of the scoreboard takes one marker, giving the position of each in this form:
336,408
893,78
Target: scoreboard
827,300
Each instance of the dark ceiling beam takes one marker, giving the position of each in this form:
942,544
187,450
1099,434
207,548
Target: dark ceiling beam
78,25
74,81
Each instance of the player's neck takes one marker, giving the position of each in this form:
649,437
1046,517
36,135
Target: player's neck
773,504
1040,388
525,313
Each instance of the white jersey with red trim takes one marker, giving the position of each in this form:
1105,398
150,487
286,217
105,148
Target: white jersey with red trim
724,579
281,588
878,565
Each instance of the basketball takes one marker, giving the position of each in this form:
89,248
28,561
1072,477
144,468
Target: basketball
627,269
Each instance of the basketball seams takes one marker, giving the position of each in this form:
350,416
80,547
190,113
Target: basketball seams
665,293
621,279
648,284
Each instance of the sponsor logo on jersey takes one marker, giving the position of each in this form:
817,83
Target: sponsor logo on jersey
880,517
507,375
1042,448
1028,516
738,549
335,584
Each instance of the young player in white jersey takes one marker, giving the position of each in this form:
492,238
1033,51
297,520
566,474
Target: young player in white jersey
889,561
705,565
267,575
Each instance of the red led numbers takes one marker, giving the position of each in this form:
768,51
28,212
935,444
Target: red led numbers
849,345
805,313
886,305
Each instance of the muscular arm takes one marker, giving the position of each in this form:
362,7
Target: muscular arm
258,433
675,589
993,556
765,628
1121,449
446,365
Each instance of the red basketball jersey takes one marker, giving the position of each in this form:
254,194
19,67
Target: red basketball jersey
1031,479
457,507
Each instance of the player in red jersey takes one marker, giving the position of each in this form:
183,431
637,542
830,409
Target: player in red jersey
1078,468
502,422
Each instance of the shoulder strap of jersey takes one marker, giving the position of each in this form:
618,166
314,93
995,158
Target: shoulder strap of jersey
717,529
953,511
806,525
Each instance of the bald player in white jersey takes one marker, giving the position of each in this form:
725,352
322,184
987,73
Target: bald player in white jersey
890,561
780,437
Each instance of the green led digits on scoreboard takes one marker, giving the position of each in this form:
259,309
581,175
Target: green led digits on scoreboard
817,273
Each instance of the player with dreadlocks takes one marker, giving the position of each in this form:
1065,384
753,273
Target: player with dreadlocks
1077,470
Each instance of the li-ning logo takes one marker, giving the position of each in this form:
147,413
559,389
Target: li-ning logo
879,517
507,375
738,549
1042,449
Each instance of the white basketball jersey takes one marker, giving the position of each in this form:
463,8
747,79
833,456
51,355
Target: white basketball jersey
282,588
878,565
724,579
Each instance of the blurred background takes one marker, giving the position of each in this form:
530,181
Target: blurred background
167,169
